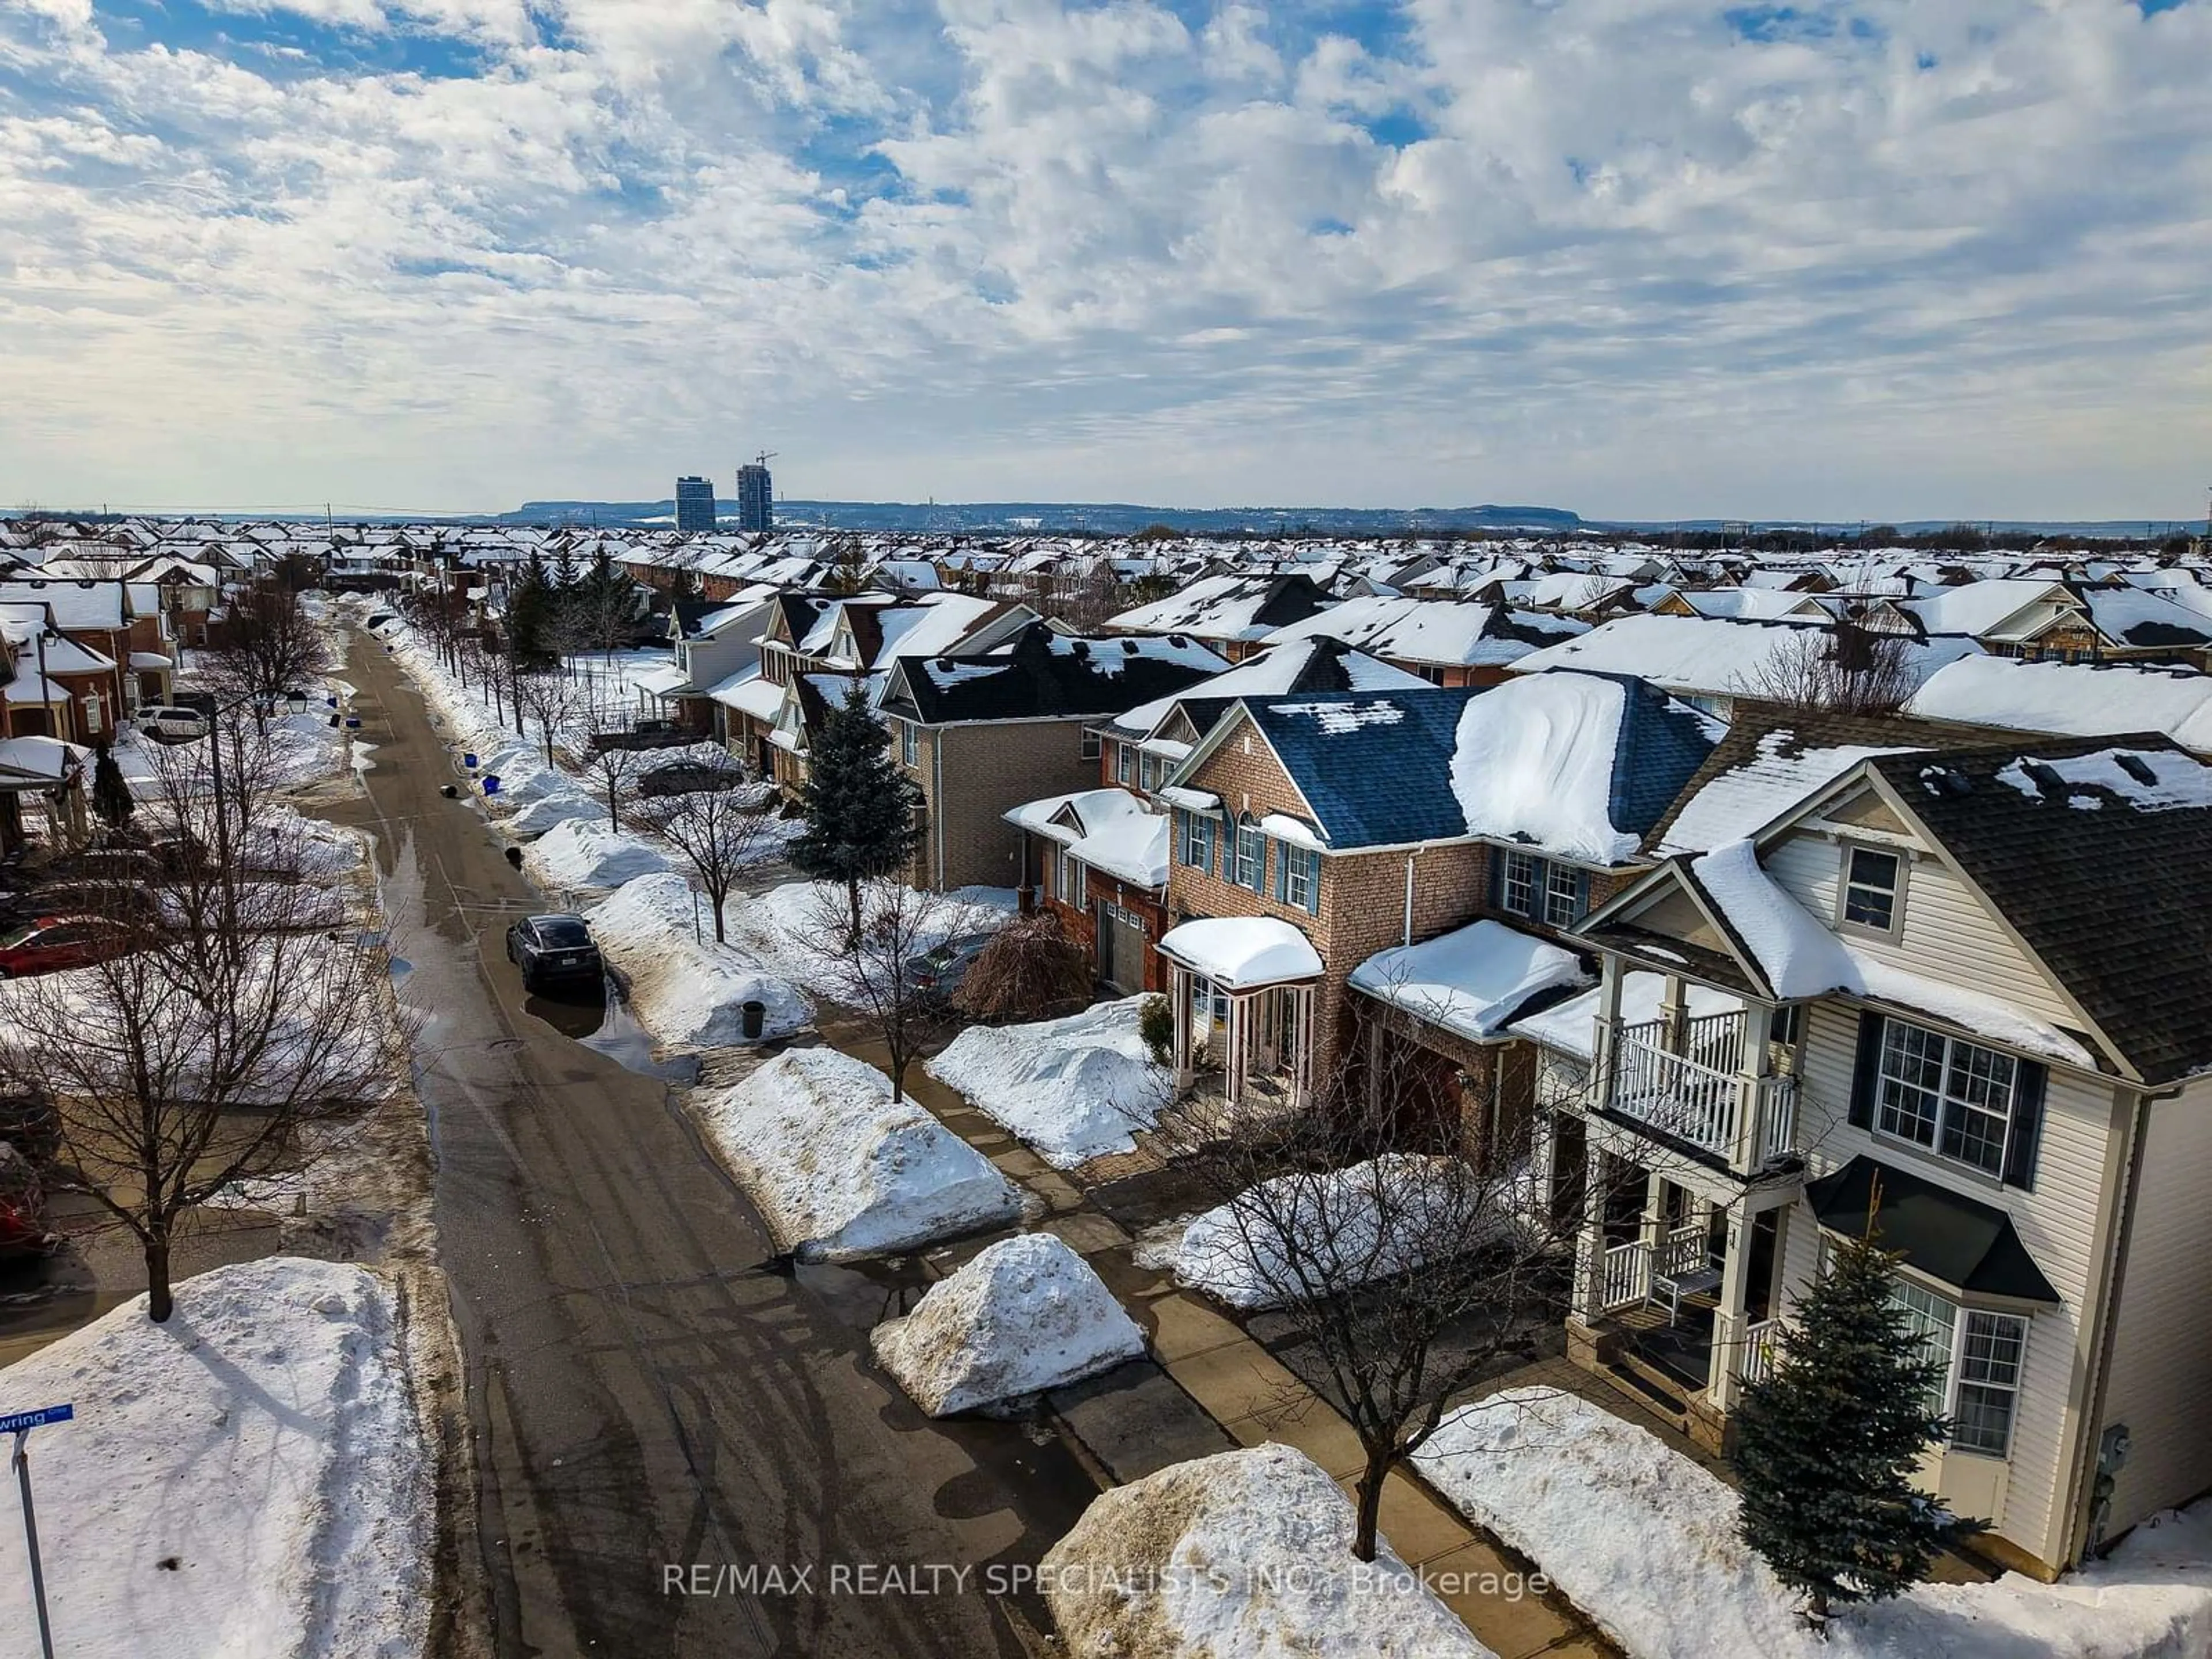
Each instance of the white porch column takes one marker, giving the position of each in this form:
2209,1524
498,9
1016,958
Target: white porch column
1757,1065
1589,1241
1728,1319
1301,1060
1673,1013
1655,1212
1179,996
1232,1052
1608,1030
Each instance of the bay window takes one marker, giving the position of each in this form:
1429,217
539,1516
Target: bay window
1980,1353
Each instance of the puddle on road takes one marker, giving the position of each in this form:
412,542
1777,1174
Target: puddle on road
615,1033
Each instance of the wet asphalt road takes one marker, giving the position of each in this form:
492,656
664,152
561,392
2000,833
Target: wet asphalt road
644,1393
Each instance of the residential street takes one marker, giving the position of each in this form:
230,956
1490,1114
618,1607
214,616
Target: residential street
643,1392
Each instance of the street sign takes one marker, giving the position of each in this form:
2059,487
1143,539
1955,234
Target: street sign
21,1424
37,1420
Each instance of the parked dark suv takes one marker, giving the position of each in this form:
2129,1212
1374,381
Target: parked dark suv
554,950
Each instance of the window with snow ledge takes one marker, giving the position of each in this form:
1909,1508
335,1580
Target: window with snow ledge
1969,1105
1870,890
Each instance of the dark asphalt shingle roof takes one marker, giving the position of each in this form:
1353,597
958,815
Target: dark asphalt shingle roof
1042,675
1375,766
2112,898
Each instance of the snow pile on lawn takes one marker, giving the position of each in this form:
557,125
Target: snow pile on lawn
1636,1534
841,1170
555,807
1471,981
249,1478
1301,1234
1245,1555
689,990
1803,959
578,854
1026,1315
1074,1089
796,931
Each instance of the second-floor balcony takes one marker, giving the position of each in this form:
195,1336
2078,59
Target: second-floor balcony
1692,1080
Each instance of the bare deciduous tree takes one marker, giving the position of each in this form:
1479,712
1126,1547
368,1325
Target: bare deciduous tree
551,698
1406,1275
268,645
228,1014
883,975
1033,964
1846,670
720,830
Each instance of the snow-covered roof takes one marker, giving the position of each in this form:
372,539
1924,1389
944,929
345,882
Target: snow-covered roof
1746,798
1542,759
1275,671
2075,700
43,757
1471,981
2148,780
1703,655
1800,958
1452,633
1243,953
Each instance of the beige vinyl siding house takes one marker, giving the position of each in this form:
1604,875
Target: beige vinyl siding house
2159,1384
1997,1021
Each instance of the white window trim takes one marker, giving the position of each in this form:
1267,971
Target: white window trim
1933,1147
1954,1374
1535,907
1553,870
1850,849
909,742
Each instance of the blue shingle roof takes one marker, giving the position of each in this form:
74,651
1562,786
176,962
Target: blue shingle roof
1375,766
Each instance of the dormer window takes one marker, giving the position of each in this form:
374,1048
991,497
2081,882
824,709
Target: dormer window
1873,883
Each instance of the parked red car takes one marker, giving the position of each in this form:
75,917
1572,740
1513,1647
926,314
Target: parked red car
52,942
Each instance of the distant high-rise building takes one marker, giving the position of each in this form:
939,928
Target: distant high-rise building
756,502
695,503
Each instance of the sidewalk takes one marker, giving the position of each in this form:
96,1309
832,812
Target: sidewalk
1245,1397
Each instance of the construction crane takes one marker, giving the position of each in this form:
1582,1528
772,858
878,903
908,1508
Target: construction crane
766,455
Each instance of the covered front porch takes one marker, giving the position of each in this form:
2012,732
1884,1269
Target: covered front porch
1677,1284
1243,990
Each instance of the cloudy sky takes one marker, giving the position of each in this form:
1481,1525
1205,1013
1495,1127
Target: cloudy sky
1638,257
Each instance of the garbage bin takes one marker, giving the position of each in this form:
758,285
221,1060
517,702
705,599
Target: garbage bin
492,783
334,721
352,720
469,760
756,1017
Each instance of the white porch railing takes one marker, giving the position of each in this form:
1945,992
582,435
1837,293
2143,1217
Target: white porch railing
1623,1276
1754,1360
1702,1103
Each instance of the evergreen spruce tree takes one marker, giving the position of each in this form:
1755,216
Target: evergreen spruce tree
1827,1445
858,805
111,796
531,601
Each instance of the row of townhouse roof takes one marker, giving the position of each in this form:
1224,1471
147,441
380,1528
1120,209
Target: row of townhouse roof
1786,972
1778,980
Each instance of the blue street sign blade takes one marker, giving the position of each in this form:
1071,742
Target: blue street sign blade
39,1419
